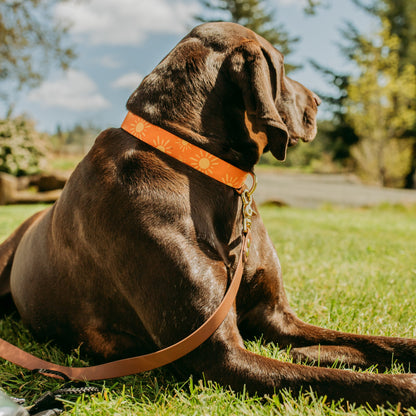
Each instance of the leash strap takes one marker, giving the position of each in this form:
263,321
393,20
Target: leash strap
141,363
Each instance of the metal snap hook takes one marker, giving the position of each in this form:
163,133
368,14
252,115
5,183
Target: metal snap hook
246,197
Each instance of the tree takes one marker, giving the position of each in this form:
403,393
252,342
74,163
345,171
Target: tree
339,131
381,107
77,140
253,15
400,16
312,5
31,40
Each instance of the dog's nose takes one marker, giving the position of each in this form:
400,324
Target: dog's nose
318,101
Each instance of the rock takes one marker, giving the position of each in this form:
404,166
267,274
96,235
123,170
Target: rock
8,188
50,182
11,193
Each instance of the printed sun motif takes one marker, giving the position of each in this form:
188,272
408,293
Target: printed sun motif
204,162
184,145
138,128
231,181
162,145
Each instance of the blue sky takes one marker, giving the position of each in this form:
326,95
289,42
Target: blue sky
120,41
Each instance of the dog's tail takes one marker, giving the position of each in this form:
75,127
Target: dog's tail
7,250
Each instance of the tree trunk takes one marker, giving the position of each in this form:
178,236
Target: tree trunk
411,177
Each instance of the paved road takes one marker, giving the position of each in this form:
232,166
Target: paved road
314,190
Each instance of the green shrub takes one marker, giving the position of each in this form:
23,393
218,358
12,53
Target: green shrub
22,148
318,156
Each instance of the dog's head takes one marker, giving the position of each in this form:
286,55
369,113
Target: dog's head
224,87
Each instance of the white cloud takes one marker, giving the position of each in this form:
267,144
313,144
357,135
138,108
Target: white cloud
126,22
298,3
74,90
108,61
130,81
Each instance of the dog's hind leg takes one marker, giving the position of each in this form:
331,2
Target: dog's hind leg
7,250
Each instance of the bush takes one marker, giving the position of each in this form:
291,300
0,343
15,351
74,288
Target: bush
22,148
384,163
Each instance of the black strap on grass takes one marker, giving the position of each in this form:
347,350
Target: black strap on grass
54,372
50,400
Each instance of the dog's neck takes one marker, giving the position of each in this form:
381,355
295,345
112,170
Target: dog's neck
184,151
218,126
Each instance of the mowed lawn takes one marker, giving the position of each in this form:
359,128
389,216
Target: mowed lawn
346,269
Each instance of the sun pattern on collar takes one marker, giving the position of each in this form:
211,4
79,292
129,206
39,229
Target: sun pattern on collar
138,127
162,144
184,151
204,162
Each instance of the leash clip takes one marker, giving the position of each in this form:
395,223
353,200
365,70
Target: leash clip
247,198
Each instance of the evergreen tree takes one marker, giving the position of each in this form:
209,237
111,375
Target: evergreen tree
312,5
254,15
340,132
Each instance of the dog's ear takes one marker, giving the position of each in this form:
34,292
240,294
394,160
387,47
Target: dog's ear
259,76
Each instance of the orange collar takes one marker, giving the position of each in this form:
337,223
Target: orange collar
184,151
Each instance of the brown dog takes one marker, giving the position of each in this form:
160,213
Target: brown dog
137,252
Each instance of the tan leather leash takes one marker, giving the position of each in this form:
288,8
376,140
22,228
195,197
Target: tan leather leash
156,359
137,364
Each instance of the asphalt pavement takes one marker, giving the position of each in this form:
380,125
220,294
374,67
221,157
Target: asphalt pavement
315,190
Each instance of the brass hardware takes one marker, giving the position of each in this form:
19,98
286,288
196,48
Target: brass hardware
247,198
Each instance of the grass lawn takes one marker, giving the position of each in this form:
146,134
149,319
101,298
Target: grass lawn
347,269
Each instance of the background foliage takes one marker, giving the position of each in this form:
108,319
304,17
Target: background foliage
371,129
381,107
374,124
31,41
22,148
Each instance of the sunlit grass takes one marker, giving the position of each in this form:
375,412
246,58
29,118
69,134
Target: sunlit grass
348,269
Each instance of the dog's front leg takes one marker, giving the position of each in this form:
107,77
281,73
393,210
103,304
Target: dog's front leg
275,321
224,360
265,312
312,344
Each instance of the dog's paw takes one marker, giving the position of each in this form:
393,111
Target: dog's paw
303,356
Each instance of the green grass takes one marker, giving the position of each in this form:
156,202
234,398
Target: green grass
347,269
12,216
65,162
